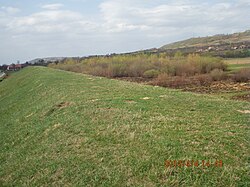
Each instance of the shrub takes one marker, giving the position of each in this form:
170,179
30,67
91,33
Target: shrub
161,80
151,73
185,69
142,65
204,79
179,82
73,68
217,74
242,76
137,68
52,65
117,70
99,71
207,64
176,82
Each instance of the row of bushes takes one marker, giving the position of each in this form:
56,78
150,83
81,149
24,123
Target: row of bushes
237,54
200,80
165,80
158,67
148,66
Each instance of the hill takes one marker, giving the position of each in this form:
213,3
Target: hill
221,39
227,46
62,128
235,45
45,60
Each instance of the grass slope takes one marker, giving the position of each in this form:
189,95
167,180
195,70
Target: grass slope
61,128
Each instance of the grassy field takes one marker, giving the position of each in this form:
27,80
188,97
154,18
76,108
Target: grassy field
236,67
60,128
235,64
237,61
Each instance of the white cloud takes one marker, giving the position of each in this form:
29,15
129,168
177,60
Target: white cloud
189,16
53,6
10,10
50,21
119,26
117,16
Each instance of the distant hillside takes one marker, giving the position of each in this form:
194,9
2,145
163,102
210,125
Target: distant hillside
220,39
228,46
45,60
235,45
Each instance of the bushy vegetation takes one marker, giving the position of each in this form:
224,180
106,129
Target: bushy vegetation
236,54
242,75
182,81
169,71
218,74
151,73
141,65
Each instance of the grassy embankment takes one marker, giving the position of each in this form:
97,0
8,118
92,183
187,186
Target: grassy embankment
62,128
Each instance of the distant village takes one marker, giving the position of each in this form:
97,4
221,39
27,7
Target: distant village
36,62
12,67
5,70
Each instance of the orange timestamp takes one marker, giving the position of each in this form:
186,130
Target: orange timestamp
193,163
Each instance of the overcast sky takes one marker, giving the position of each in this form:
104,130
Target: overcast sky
42,28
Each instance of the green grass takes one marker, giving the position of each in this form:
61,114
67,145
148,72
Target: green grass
235,64
237,67
59,128
237,60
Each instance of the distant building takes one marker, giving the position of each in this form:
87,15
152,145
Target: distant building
14,67
18,66
11,67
